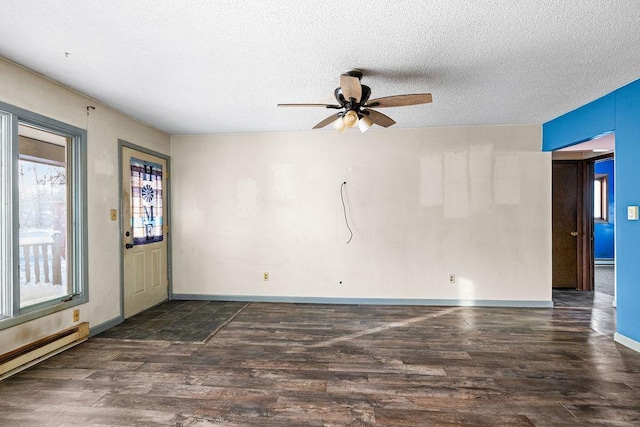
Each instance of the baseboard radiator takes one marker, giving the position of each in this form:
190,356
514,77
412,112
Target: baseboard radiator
37,351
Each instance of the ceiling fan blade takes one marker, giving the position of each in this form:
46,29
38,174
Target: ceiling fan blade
378,118
332,118
334,106
400,100
351,87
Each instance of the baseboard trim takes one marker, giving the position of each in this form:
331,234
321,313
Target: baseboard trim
366,301
627,342
95,330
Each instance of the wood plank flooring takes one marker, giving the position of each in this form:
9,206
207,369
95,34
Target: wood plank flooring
336,365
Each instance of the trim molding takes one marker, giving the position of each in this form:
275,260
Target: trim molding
627,342
95,330
366,301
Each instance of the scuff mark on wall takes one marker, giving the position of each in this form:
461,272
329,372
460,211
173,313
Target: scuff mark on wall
480,177
104,167
247,197
283,187
456,184
431,185
506,176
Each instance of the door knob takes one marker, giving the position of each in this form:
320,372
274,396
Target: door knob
128,246
574,233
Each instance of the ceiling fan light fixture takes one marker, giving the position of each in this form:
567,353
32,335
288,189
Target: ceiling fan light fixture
355,106
350,119
364,124
339,125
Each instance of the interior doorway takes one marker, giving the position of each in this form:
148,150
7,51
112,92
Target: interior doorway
583,215
604,225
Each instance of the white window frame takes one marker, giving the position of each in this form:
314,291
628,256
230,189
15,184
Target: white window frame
602,197
10,312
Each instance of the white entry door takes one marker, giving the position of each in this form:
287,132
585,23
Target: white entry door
144,216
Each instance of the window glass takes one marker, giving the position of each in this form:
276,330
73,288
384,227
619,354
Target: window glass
600,198
43,216
597,199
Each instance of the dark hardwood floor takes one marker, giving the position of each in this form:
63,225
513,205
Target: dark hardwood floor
335,365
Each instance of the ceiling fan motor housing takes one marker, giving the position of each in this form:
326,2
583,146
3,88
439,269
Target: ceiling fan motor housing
353,72
349,104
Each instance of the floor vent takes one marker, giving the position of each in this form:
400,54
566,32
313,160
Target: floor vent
30,354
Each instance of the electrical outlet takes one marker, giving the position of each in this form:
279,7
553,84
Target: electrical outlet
76,315
114,214
452,278
265,276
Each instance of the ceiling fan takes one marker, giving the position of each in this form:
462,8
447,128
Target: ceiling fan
353,100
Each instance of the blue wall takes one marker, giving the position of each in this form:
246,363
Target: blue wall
603,238
618,111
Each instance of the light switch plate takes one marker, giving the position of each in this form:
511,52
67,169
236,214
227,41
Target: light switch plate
114,214
632,213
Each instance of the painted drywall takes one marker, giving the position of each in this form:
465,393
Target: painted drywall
582,124
27,90
422,203
620,110
603,232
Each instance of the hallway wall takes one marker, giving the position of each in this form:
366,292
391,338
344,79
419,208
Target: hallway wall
619,112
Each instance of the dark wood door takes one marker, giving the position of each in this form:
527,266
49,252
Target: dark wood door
572,225
564,224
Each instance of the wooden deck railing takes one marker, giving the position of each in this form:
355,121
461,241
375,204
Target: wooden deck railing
43,255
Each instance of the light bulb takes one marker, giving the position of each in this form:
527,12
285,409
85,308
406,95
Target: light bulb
351,119
364,124
339,125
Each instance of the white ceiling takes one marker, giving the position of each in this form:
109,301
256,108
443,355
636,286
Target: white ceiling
603,144
596,147
193,67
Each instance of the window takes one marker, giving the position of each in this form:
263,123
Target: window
43,221
600,198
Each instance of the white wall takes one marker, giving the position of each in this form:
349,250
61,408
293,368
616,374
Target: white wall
27,90
423,203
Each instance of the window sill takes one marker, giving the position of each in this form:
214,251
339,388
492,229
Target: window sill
9,322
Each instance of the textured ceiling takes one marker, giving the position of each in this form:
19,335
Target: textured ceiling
192,67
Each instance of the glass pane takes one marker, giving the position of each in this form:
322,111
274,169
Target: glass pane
146,202
604,209
43,216
597,199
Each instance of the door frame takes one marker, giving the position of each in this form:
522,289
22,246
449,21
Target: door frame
125,144
594,160
584,223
